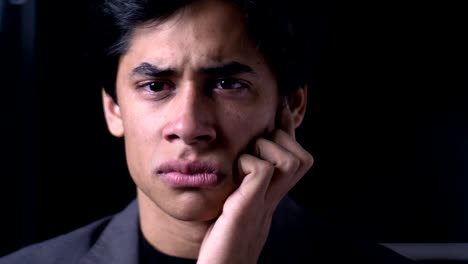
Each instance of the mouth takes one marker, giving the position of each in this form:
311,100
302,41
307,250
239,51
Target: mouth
189,174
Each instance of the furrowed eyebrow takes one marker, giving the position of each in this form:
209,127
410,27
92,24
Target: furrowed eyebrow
228,69
152,70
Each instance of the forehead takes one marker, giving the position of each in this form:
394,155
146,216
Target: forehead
205,32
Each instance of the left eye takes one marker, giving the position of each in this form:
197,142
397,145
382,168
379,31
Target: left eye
229,84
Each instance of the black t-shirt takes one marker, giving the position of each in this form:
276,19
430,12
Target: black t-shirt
149,255
298,236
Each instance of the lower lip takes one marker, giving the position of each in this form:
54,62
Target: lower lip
181,180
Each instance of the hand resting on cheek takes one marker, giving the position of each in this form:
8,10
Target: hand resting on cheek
276,165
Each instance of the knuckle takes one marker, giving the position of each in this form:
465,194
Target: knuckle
296,163
265,166
291,164
308,159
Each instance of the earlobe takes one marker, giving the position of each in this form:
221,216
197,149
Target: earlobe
298,105
112,115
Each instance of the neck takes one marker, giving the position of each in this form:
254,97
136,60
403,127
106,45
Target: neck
167,234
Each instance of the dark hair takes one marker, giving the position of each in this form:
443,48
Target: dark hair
278,28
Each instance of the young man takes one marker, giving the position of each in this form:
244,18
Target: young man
207,95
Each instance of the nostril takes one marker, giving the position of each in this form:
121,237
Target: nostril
172,137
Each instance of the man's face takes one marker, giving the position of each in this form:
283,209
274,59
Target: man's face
192,92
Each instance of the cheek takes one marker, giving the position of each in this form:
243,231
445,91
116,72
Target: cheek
139,125
141,131
241,124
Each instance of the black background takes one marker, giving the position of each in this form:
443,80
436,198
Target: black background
386,124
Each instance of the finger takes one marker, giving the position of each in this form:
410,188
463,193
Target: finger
257,176
290,144
285,164
288,179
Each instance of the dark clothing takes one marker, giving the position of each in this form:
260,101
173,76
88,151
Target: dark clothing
149,255
295,237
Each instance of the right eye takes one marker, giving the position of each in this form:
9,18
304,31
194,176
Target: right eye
157,86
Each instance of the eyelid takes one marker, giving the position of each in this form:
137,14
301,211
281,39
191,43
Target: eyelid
147,82
243,82
237,79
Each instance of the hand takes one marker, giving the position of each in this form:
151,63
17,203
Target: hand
240,232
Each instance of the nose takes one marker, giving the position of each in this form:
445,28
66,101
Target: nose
191,118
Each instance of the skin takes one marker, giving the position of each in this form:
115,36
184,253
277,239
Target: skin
232,118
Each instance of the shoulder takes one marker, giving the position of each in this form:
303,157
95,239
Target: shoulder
298,235
66,248
99,242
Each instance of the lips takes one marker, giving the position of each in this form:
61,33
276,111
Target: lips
189,174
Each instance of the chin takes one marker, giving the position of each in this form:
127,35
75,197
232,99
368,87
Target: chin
196,206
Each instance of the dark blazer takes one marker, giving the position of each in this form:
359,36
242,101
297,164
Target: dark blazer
295,237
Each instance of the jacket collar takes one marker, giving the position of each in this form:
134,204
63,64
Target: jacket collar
118,243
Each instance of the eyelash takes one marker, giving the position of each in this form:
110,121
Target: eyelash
211,85
147,85
231,81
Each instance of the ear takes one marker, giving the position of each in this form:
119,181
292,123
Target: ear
297,102
112,115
